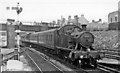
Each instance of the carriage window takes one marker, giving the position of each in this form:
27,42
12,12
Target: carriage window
51,37
111,20
47,36
115,19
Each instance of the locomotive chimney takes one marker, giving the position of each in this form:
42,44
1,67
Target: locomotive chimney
84,27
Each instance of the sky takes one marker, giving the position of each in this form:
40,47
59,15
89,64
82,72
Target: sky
49,10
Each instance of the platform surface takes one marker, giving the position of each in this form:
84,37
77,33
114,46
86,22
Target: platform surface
22,66
109,61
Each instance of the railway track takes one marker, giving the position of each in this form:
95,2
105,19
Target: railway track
116,57
100,69
112,53
41,63
107,69
61,68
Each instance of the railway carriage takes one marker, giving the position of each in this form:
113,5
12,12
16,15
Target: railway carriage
33,38
47,38
69,42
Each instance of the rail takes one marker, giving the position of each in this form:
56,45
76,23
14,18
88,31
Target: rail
108,69
111,53
61,71
33,61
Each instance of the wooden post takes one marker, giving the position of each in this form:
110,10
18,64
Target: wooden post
16,56
0,62
1,59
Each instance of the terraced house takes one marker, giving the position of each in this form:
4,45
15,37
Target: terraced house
113,17
113,20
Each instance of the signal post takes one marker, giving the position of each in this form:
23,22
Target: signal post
18,10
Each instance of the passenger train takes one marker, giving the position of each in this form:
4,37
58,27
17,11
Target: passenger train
70,42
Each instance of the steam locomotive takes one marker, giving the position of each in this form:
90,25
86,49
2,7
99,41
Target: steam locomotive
69,42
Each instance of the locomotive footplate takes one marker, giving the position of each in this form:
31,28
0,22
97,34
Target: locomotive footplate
85,57
84,54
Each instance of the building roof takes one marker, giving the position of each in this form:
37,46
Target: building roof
97,25
83,20
114,12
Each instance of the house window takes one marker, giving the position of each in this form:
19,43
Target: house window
115,19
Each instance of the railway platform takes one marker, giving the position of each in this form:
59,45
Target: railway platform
110,61
31,61
14,65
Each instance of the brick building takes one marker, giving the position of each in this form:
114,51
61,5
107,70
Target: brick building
80,21
113,17
119,11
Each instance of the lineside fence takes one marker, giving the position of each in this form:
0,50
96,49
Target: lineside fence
4,57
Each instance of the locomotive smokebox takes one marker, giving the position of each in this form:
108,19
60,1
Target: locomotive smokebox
86,39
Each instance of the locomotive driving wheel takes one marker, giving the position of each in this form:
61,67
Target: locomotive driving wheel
76,62
82,63
94,62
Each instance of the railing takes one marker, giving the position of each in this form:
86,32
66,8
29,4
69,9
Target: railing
11,55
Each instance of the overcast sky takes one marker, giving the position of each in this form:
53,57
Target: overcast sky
48,10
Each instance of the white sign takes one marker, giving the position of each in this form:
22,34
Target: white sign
14,8
14,65
3,38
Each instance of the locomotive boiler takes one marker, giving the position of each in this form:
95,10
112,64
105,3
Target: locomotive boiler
69,42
